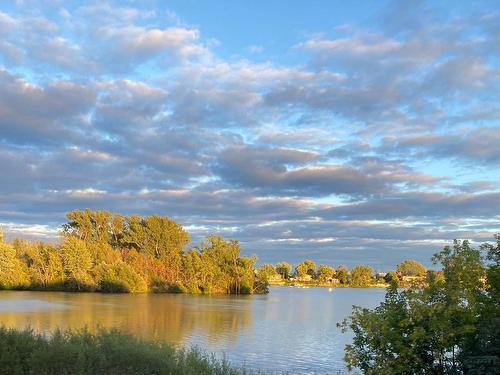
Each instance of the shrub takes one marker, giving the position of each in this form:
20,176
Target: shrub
119,278
107,352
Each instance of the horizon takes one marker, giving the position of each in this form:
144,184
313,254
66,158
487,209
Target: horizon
360,133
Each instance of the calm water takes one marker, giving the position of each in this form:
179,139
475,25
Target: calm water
290,329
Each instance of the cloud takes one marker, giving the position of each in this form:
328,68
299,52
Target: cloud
30,113
362,144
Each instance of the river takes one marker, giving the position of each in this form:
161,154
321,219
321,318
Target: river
290,329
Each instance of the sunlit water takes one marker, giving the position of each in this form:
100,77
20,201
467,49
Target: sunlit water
290,329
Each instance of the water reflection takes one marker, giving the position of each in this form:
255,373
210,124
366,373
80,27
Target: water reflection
173,318
290,329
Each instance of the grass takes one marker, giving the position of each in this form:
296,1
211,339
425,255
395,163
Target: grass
106,352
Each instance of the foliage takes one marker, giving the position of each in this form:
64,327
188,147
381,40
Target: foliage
266,272
119,278
13,273
44,263
392,277
447,327
77,263
325,273
107,352
225,271
307,267
114,253
284,269
342,274
411,267
361,276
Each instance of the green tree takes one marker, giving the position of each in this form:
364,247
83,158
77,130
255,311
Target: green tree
411,267
481,351
423,330
361,276
307,267
284,269
224,270
325,273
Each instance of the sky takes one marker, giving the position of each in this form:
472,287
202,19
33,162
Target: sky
342,132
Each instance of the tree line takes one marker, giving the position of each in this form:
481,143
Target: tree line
408,272
100,251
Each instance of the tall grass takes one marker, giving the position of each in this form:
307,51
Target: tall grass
107,352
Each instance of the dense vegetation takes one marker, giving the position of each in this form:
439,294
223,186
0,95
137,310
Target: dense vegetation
100,251
450,326
408,272
108,352
105,252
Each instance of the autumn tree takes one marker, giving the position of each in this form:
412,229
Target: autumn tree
77,263
88,226
411,267
45,265
325,273
266,272
13,273
342,274
284,269
361,276
307,267
155,235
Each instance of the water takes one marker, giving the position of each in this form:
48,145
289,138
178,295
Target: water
290,329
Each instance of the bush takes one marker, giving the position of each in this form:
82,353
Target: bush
107,352
119,278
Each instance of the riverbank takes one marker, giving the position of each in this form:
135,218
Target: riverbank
107,352
313,284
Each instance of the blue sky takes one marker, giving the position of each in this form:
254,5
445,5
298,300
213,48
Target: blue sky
345,132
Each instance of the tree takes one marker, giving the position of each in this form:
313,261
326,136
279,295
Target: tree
192,266
307,267
224,270
411,267
325,273
391,277
361,276
44,263
89,226
284,269
342,274
427,330
155,235
77,263
481,350
13,273
266,272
